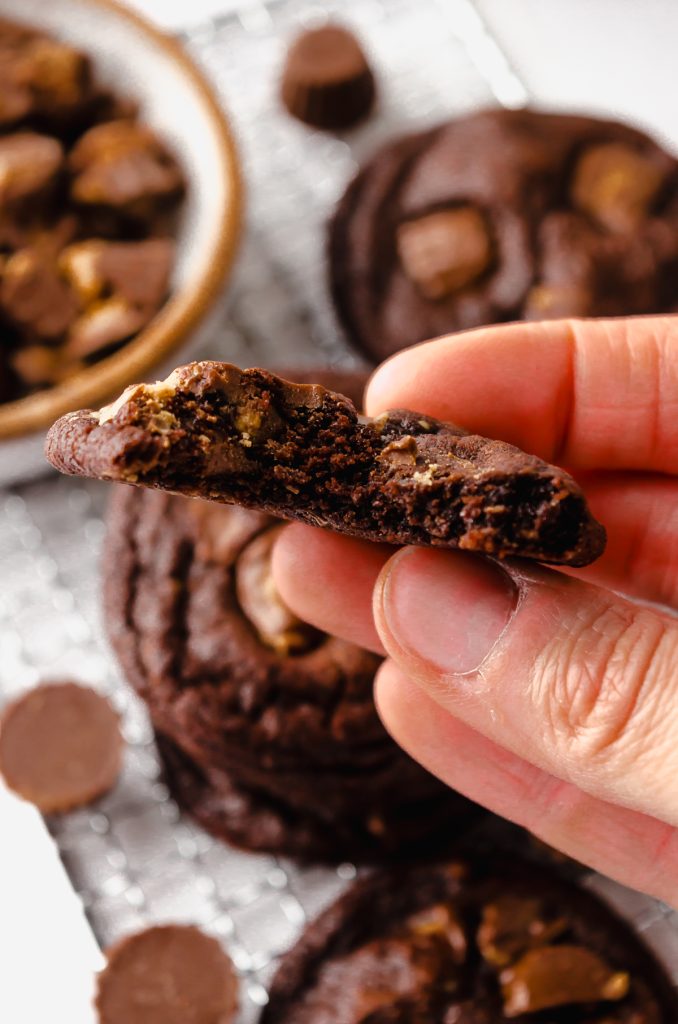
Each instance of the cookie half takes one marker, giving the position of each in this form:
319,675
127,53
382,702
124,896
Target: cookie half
300,451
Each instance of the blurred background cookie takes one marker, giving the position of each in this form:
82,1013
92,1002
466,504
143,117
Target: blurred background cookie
469,941
503,215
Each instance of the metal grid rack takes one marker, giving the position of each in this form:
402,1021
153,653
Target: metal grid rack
133,859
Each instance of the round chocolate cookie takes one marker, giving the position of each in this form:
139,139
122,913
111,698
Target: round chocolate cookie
504,215
474,942
267,727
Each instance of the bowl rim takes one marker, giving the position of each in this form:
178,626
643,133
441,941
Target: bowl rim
184,309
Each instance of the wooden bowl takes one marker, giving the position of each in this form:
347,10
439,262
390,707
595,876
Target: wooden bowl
139,60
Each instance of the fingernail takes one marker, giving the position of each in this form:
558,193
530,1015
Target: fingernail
445,607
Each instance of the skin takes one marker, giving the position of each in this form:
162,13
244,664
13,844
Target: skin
549,697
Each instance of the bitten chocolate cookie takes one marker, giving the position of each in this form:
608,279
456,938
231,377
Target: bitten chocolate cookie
504,215
469,943
266,726
302,452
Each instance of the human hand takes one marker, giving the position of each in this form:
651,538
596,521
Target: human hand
544,696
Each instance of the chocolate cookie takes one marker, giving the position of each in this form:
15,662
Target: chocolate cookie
302,452
504,215
267,727
469,942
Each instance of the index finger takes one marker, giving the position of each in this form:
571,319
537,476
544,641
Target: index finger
588,394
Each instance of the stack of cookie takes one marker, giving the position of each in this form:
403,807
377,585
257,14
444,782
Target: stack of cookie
267,728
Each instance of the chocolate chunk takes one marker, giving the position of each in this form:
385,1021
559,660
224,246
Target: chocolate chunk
29,164
58,75
170,974
135,271
259,599
104,324
327,81
120,284
43,78
442,921
41,365
60,746
510,926
560,976
34,296
124,165
585,210
616,185
364,944
302,452
445,251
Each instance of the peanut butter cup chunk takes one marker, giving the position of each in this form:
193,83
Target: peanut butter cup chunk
170,974
616,185
560,976
327,81
300,451
60,746
445,250
34,296
29,164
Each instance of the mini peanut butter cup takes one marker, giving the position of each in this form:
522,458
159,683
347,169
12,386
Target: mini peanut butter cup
327,81
60,746
171,974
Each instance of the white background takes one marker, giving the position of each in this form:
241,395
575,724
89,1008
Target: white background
599,55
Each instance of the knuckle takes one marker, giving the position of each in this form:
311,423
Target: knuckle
596,689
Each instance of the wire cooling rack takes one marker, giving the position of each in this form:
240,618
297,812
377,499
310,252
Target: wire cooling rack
132,858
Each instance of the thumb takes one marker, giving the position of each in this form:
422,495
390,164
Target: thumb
574,679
